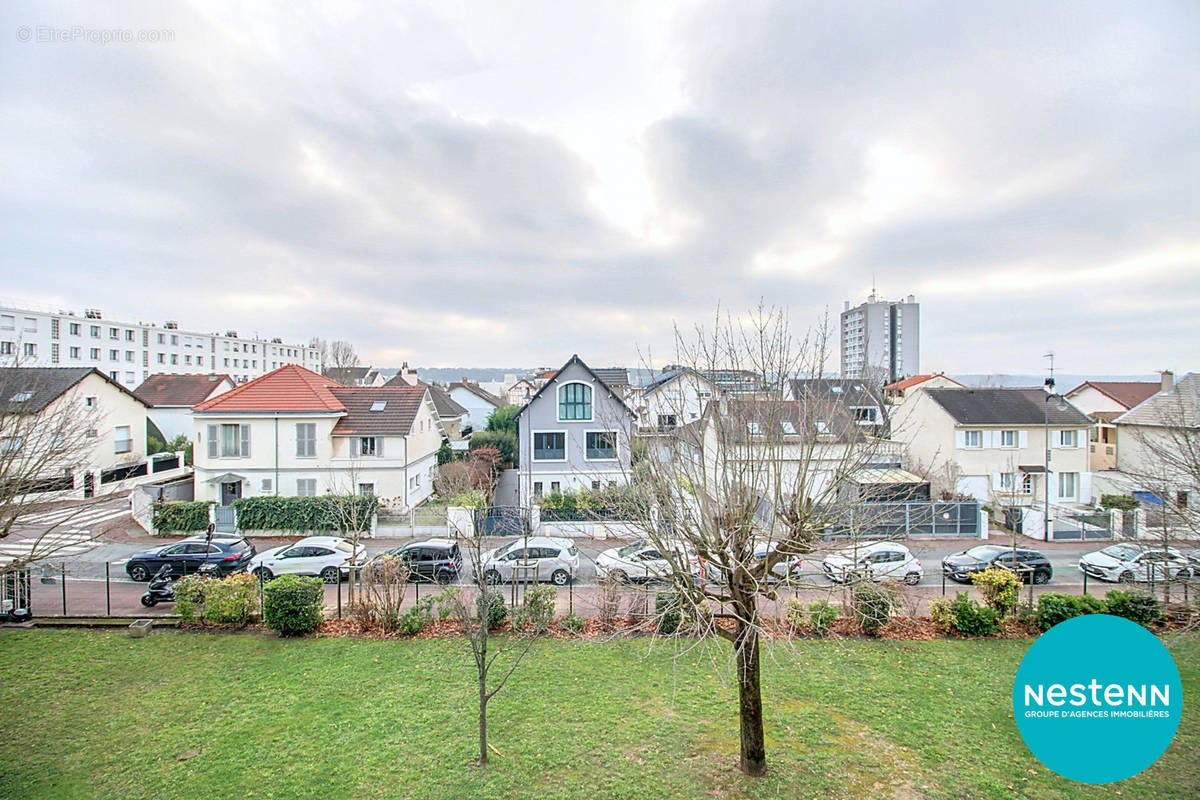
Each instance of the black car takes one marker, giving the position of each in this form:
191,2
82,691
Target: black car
229,554
432,560
1028,564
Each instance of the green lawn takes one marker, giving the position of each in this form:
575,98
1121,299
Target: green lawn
100,715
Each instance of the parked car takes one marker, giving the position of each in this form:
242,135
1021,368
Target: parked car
533,559
1192,570
641,561
328,557
431,560
1128,562
1029,564
782,571
229,554
876,561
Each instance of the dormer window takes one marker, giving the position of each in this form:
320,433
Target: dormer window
789,428
755,428
379,405
575,402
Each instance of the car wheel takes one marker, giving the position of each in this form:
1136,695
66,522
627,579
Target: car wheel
444,577
619,575
560,577
1125,577
912,578
148,601
493,578
263,574
331,575
139,572
1041,576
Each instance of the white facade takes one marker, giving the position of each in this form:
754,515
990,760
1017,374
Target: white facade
881,339
130,352
478,409
672,402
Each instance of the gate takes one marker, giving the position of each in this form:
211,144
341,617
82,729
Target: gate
1079,526
504,521
225,519
1014,520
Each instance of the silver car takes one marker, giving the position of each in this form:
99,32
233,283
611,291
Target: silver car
533,560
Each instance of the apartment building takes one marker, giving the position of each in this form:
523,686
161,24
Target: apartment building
130,353
881,339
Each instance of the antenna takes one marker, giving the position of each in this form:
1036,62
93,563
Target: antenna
1050,381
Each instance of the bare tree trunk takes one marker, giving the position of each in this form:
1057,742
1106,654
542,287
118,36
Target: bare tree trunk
483,701
754,750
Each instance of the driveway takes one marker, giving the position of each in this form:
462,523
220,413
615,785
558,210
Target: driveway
507,489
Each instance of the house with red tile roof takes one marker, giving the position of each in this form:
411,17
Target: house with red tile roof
170,398
1104,401
937,380
294,432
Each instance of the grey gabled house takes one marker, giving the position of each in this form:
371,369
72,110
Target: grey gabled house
573,434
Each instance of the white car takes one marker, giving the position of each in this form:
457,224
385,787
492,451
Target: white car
535,559
641,561
328,557
1127,562
876,561
782,571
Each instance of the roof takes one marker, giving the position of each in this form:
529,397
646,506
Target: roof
478,391
665,377
847,391
44,385
400,405
612,376
915,380
1127,393
1179,405
782,421
1007,406
444,403
289,388
886,476
575,359
178,390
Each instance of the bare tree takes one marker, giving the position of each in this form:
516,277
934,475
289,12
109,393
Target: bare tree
338,359
496,657
48,435
351,513
752,485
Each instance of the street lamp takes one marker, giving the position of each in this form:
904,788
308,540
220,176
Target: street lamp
1061,405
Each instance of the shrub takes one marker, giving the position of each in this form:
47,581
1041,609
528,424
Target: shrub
189,597
1135,606
384,582
972,618
796,616
504,441
667,614
292,604
414,620
1121,502
233,600
447,602
495,612
942,614
181,516
327,512
1053,608
1001,589
537,610
821,615
573,623
873,605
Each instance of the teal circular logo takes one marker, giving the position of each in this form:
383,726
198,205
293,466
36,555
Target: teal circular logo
1097,698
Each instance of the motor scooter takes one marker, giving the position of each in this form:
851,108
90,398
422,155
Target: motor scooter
161,588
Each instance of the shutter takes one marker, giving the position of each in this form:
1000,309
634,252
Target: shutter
988,439
212,441
960,439
1023,439
379,446
996,480
245,441
1082,438
354,442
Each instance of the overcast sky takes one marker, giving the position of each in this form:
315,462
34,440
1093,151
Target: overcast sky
508,183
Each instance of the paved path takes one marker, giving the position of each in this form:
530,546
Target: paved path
508,489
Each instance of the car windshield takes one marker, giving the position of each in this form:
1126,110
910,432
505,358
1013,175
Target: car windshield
1121,551
983,552
506,548
630,549
344,546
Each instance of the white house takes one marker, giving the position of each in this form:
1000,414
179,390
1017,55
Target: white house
294,432
672,399
478,402
170,398
992,443
1104,401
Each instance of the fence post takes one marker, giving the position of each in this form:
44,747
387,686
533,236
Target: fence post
107,593
943,583
571,597
261,584
63,573
1085,583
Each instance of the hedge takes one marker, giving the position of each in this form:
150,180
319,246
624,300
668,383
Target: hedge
181,515
292,604
278,513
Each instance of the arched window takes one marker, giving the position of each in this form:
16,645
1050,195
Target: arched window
575,402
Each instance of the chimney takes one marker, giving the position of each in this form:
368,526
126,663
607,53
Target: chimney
1168,380
911,299
845,305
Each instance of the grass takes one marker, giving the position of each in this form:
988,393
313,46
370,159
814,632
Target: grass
93,714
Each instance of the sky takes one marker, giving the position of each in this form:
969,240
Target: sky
474,184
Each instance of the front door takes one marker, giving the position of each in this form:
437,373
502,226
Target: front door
230,491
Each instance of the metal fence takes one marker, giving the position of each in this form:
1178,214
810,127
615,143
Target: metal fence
897,520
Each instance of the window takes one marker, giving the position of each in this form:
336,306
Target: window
306,440
754,428
229,441
123,439
162,338
555,486
368,446
114,355
306,487
129,355
174,339
1008,438
865,415
73,352
972,438
90,402
595,486
129,336
162,358
266,485
1007,481
366,489
31,349
1068,438
1068,484
575,402
30,325
8,322
11,444
537,488
550,446
601,445
174,358
187,360
94,331
6,348
666,422
379,405
789,427
129,377
73,328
